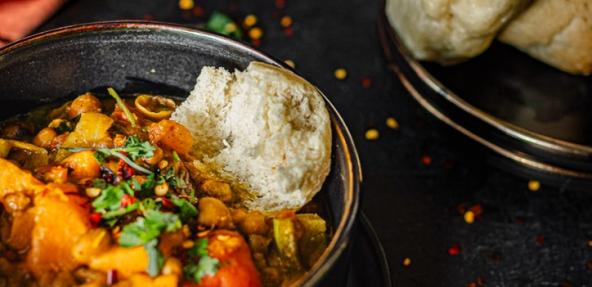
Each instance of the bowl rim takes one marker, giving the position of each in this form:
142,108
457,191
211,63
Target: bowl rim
342,234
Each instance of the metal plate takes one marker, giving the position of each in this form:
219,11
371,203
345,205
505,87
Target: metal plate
530,114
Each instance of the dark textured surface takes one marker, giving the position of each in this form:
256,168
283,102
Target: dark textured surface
412,206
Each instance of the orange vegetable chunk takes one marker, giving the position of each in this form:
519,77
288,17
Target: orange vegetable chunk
58,225
172,135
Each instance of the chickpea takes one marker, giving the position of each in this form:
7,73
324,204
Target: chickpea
84,104
238,214
217,189
254,223
172,266
45,137
213,212
161,189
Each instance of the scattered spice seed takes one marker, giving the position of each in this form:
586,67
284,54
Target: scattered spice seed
340,73
392,123
477,209
288,32
589,265
426,160
290,63
589,243
186,4
280,4
534,185
372,134
256,33
407,262
198,11
286,21
250,21
230,27
469,217
366,82
540,240
256,43
454,250
148,17
187,244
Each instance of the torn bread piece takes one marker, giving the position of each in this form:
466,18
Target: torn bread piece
265,130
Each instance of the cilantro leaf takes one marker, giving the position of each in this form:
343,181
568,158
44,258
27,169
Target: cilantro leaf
187,210
136,149
155,258
148,227
109,199
206,265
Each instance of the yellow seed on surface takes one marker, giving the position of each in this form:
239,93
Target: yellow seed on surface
186,4
187,244
250,20
286,21
392,123
340,73
372,134
161,189
534,185
93,192
290,63
407,262
186,231
230,27
469,217
256,33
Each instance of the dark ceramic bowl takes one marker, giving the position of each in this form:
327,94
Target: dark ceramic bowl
162,58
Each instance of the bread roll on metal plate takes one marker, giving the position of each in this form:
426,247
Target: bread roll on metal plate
449,31
557,32
265,130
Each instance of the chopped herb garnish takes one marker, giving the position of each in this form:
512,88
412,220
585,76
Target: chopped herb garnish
102,153
109,199
122,106
148,227
176,157
222,24
155,258
136,149
173,180
206,265
186,209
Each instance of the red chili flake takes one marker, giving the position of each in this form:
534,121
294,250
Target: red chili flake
426,160
124,170
479,282
589,265
148,17
111,277
95,218
540,239
280,4
127,200
477,209
454,250
366,82
288,32
198,11
256,42
167,203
